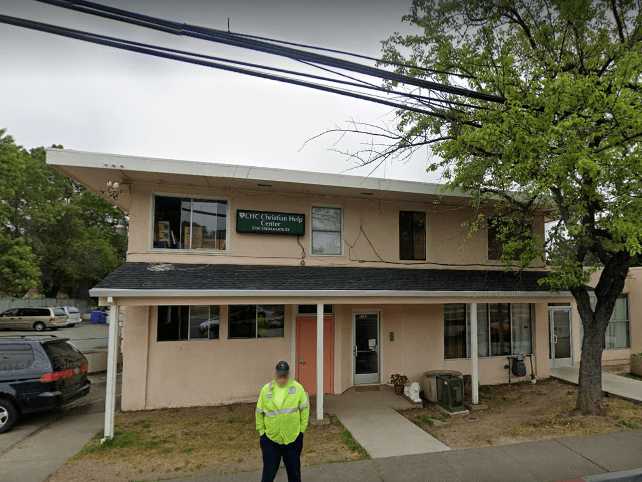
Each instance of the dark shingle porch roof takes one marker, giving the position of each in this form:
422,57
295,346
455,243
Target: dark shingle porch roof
146,279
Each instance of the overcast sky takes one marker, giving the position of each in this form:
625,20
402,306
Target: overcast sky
90,97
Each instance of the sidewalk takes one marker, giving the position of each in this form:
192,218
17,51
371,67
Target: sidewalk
611,383
550,460
371,417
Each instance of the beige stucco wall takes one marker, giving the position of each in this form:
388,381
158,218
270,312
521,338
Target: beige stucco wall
206,372
365,221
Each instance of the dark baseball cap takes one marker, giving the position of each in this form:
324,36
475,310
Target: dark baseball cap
282,368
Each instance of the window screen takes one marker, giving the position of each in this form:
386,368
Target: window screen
617,332
326,231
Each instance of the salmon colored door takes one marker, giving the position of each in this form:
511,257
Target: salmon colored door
306,353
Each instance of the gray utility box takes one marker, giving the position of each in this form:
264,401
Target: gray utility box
429,383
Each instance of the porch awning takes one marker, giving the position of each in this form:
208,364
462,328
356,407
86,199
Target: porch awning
230,280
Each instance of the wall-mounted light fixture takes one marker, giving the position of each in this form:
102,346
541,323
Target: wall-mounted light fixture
112,189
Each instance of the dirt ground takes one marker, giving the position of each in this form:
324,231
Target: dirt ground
158,444
524,412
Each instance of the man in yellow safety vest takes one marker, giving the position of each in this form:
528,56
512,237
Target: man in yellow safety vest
282,414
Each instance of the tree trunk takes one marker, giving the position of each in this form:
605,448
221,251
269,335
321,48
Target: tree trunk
595,322
589,392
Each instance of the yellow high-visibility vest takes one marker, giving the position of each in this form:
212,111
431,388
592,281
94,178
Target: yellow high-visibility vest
282,413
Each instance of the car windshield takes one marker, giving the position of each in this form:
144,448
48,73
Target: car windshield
73,309
59,312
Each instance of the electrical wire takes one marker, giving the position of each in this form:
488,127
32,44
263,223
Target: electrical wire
126,45
358,83
227,38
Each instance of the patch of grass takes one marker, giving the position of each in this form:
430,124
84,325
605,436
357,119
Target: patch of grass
631,424
523,411
352,444
170,443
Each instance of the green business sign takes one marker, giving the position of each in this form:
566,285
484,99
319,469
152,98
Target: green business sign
265,222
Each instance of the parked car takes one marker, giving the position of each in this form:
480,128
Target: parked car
73,315
38,319
38,373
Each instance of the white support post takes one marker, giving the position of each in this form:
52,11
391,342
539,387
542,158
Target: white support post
474,354
112,368
320,361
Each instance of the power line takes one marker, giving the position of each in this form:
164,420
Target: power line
133,47
219,36
368,86
351,54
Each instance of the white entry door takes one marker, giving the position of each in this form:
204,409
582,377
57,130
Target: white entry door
366,347
560,328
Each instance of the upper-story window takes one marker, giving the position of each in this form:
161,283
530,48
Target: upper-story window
189,223
412,235
494,243
326,231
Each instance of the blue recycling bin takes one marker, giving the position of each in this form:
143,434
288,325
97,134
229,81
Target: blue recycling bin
98,317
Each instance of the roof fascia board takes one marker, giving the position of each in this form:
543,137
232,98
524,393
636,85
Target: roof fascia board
73,158
123,293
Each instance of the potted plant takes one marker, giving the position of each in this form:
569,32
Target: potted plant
398,381
636,364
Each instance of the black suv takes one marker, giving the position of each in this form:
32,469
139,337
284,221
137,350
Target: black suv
38,373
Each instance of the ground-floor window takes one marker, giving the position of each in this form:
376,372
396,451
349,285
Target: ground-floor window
502,329
183,322
256,321
617,333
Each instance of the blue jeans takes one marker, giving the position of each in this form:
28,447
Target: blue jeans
272,454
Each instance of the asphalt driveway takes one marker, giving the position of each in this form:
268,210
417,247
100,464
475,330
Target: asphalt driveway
39,444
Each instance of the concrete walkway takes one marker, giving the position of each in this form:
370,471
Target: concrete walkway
370,414
614,384
549,460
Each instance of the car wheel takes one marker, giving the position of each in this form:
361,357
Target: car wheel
8,415
39,326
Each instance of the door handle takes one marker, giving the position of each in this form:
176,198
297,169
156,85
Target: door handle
555,339
301,362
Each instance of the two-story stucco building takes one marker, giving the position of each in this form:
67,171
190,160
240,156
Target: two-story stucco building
350,279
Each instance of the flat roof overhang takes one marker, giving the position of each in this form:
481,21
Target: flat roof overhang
93,170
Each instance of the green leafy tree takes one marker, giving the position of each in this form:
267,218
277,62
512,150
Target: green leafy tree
75,237
564,136
19,270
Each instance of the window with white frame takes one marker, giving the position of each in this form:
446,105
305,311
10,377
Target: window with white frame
190,223
193,322
256,321
326,231
502,329
617,333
